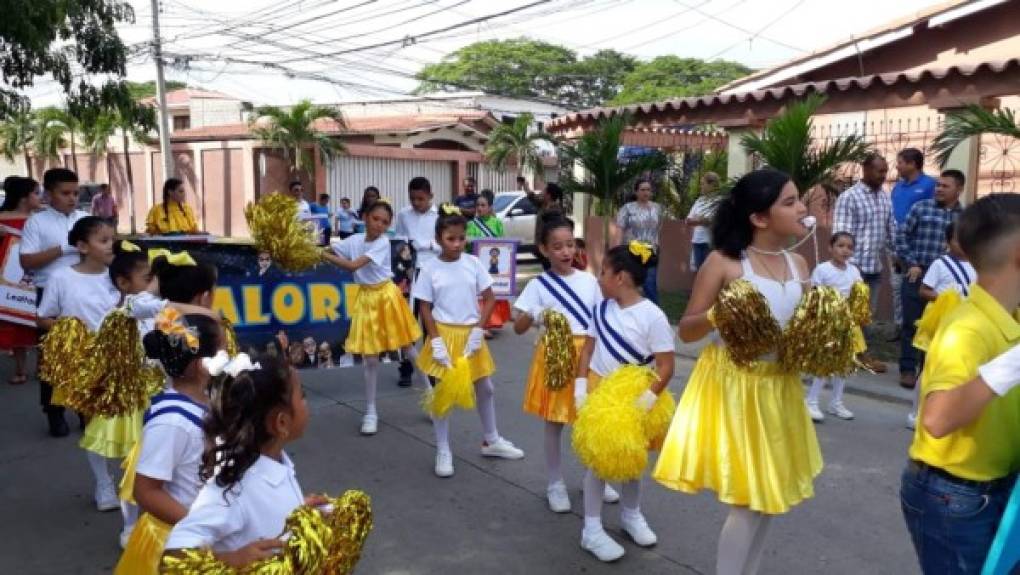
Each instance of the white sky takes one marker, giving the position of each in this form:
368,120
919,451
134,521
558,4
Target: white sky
758,33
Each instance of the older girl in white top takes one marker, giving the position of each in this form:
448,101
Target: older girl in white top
251,488
625,329
381,321
446,289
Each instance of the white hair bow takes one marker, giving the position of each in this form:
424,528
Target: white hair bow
222,363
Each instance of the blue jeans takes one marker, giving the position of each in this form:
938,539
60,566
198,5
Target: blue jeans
910,296
952,522
701,252
651,286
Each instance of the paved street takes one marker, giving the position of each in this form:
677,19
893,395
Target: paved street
491,516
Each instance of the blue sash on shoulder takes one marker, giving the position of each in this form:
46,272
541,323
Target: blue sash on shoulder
614,343
959,273
567,297
174,403
484,228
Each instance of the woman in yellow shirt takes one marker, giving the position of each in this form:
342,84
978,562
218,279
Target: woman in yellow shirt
172,216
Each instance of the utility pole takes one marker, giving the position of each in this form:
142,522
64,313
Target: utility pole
164,125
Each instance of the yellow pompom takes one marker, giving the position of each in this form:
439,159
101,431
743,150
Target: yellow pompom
64,348
351,522
275,227
745,322
612,435
819,337
859,301
455,389
932,317
230,337
560,353
195,562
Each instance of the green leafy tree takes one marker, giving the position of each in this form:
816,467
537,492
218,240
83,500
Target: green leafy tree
786,144
682,184
516,144
17,134
668,77
55,130
293,131
606,176
142,90
973,121
596,79
67,40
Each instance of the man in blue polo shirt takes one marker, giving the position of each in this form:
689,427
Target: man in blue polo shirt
912,186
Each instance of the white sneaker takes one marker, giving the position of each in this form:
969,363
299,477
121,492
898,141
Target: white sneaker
444,464
125,536
911,421
840,410
106,497
602,546
556,494
816,414
609,495
369,424
502,448
636,526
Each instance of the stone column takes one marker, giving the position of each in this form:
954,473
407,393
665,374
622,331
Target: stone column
739,162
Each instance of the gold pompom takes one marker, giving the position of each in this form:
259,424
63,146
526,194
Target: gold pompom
230,337
275,227
454,389
859,301
317,543
64,350
560,354
745,322
819,337
612,435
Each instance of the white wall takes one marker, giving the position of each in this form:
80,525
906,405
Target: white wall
349,176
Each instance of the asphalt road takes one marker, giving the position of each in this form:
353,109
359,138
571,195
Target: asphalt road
491,516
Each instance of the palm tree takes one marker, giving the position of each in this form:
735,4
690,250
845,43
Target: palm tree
16,135
52,126
293,130
787,144
972,121
516,143
606,175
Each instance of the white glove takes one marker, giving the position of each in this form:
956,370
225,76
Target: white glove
144,305
474,342
580,391
647,400
439,353
69,250
1002,373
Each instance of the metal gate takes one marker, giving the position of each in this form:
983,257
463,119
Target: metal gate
350,175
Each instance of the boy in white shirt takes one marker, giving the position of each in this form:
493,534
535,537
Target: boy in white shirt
950,271
416,224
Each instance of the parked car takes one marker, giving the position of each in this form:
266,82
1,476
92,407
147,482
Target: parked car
518,215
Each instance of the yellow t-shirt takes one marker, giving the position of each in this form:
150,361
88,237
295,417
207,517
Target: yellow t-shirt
180,220
976,331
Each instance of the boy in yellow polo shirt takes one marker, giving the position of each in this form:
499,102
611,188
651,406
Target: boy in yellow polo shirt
966,450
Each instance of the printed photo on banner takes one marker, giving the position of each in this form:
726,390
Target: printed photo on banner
17,295
499,258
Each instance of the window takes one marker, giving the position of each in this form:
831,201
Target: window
526,205
181,123
502,201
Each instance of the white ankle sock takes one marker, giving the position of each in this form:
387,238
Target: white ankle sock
553,452
371,366
816,389
442,429
100,470
486,401
741,542
593,488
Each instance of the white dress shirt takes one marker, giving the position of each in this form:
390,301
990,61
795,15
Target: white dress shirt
420,230
46,230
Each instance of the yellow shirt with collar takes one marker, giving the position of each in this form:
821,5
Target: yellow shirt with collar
181,219
969,336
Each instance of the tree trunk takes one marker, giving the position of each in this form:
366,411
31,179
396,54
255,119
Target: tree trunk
131,183
74,154
28,162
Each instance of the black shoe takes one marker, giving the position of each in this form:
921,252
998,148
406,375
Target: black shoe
406,371
58,426
81,421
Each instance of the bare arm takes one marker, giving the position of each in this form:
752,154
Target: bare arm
425,309
41,259
151,497
694,324
523,322
45,323
928,294
342,262
947,411
488,304
585,358
664,365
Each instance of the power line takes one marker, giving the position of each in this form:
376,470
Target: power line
678,30
654,23
757,34
741,28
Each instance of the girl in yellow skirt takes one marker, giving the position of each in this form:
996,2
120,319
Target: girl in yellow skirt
381,321
446,291
625,329
574,294
840,274
163,474
745,432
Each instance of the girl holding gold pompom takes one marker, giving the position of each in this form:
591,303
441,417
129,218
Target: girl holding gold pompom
572,294
625,329
741,428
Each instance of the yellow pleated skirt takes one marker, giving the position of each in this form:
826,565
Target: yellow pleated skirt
455,337
555,406
381,321
144,550
743,433
112,436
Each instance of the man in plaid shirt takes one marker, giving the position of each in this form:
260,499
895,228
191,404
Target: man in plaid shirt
865,211
922,240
